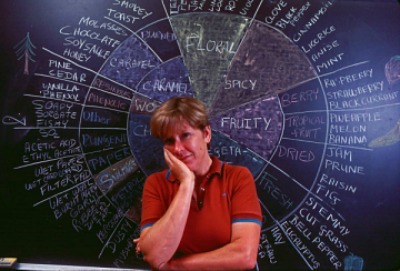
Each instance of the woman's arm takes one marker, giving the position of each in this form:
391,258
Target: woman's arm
239,254
159,242
242,250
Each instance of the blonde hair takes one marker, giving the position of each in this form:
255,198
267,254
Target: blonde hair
172,112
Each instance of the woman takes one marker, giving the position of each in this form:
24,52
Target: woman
201,213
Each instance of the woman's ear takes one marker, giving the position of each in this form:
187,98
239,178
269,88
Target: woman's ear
207,134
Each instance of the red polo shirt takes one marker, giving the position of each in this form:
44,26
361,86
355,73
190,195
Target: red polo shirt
225,196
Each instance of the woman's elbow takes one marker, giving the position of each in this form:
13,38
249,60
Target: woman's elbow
249,263
248,260
155,262
151,256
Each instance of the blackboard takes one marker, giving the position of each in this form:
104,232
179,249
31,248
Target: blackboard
303,93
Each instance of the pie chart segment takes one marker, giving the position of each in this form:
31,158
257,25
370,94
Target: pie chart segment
230,151
161,39
171,78
257,125
130,62
280,195
147,150
208,42
266,64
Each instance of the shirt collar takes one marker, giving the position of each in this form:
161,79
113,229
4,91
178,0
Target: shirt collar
215,169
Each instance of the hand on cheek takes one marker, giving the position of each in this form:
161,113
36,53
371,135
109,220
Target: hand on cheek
180,170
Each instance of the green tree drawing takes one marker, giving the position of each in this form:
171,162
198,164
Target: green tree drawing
24,50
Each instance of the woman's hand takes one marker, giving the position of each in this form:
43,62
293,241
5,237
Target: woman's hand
136,242
180,170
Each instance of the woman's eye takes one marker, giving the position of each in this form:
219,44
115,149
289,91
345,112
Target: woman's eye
186,135
168,141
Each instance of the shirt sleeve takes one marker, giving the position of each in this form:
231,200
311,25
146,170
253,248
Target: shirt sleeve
153,207
245,202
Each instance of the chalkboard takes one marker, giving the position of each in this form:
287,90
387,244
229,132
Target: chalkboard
303,93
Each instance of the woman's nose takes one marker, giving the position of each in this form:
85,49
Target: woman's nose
178,147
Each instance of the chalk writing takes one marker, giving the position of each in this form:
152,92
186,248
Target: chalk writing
53,113
355,117
342,131
300,246
308,217
47,150
246,123
323,52
141,105
216,5
122,16
300,226
66,202
107,179
326,182
331,62
271,185
175,6
275,12
305,125
109,101
87,39
278,236
364,101
337,152
125,252
164,85
327,216
323,247
131,63
89,213
135,8
108,227
60,86
61,174
313,21
305,120
66,75
321,36
293,16
141,130
104,85
265,249
355,92
217,46
105,140
331,196
60,91
347,128
96,117
246,8
108,159
309,95
158,35
77,38
336,166
87,21
322,237
347,79
241,84
224,150
294,154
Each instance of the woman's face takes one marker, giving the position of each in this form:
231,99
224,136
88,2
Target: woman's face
189,145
